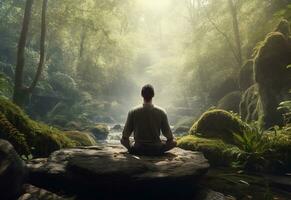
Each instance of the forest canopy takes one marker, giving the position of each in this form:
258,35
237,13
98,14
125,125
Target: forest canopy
98,53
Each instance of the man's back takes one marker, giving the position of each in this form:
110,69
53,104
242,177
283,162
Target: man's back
147,122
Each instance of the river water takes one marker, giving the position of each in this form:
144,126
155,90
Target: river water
114,135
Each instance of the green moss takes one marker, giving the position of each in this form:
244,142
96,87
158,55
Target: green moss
280,155
100,131
272,76
230,102
41,139
218,124
10,133
81,138
216,151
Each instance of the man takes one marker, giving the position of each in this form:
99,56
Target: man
147,122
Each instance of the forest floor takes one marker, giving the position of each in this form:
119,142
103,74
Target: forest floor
248,186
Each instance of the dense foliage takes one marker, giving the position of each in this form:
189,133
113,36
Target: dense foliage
234,55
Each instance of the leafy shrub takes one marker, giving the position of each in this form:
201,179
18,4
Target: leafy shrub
279,140
64,84
252,149
286,106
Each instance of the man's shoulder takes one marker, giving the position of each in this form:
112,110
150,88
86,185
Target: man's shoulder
160,109
141,107
136,108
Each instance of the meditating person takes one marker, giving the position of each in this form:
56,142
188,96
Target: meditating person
146,122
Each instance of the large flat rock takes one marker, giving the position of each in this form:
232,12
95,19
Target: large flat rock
108,171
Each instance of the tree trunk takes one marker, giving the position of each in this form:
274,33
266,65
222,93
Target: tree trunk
42,47
236,31
18,87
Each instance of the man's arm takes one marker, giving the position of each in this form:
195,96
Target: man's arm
166,130
127,131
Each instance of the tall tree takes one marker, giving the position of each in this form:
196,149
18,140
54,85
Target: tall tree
235,24
18,80
21,91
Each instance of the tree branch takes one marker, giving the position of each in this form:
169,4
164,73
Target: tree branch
225,37
42,47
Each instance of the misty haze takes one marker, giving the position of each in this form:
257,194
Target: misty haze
145,99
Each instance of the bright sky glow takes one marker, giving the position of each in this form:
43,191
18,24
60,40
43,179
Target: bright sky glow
155,5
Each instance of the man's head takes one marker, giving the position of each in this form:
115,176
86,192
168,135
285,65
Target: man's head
147,92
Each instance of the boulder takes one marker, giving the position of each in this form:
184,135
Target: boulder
230,102
100,131
218,124
81,138
273,77
29,136
117,127
215,151
222,88
109,172
12,172
283,27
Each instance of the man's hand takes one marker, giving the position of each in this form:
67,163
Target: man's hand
125,142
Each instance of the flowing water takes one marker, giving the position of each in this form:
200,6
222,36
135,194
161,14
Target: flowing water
114,135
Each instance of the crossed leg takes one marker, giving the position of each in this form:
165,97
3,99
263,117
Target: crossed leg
151,150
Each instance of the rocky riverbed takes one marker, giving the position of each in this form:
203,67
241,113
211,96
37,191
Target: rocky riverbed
105,171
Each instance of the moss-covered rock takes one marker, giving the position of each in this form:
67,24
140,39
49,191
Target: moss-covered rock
100,131
10,133
230,102
20,130
217,152
283,27
250,106
272,76
218,124
81,138
279,158
246,75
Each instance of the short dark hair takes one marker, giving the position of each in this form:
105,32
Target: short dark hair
147,92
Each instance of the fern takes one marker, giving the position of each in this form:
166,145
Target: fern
252,149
